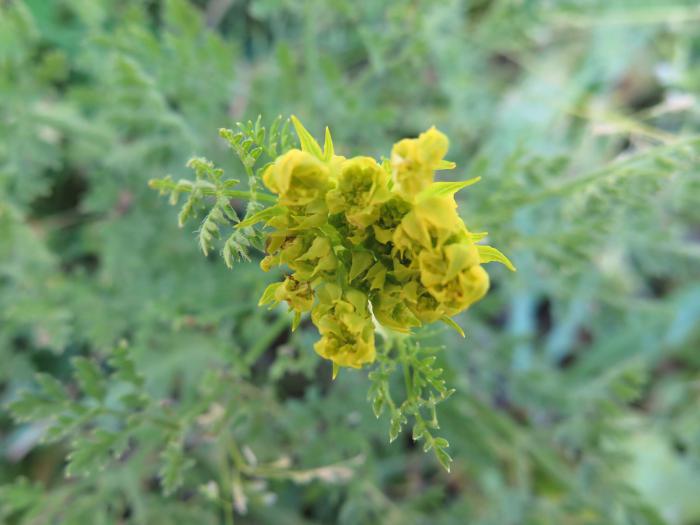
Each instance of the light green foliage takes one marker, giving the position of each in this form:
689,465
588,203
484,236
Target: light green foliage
576,390
212,193
424,389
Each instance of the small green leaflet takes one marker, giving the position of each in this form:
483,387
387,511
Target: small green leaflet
268,295
445,189
296,321
262,215
491,254
91,453
308,143
360,262
175,463
328,150
89,377
452,324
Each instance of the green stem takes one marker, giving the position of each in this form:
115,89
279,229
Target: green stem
227,499
238,460
149,417
209,189
250,195
253,187
405,366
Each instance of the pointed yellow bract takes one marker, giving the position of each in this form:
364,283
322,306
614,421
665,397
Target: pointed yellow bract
414,161
368,241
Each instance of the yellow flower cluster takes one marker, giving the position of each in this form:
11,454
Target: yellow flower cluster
368,241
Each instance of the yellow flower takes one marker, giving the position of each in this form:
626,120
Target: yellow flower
307,254
297,294
430,224
453,276
298,178
347,331
440,266
390,307
426,307
361,187
391,213
354,238
284,247
414,161
315,261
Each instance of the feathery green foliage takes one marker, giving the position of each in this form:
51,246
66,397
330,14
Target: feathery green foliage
149,375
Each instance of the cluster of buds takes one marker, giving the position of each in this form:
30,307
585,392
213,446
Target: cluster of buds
370,242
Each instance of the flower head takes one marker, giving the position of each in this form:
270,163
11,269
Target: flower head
298,178
346,327
430,224
414,161
361,187
369,242
453,276
297,294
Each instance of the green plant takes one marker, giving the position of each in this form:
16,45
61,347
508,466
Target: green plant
575,391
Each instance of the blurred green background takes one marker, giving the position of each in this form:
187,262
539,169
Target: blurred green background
578,385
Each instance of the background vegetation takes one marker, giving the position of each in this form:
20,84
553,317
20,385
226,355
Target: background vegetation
141,384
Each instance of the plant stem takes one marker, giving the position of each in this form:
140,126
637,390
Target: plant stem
401,346
208,189
227,497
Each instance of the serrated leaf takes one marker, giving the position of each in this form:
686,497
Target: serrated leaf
394,428
174,466
135,400
235,247
66,424
30,407
124,367
186,210
89,378
441,442
448,393
444,458
378,406
49,399
92,453
418,431
50,386
19,496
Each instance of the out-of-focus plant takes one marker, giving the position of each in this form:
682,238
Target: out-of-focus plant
576,392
